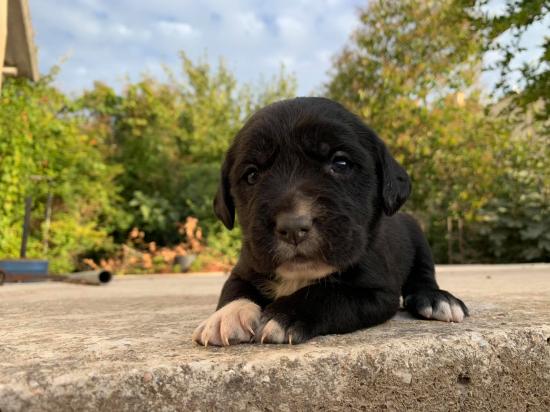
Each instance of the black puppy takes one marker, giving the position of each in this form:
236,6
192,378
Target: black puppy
316,192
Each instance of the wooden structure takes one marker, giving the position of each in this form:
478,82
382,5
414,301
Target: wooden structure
17,50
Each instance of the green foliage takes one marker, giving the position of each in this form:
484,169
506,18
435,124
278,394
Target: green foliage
405,50
43,150
228,243
410,72
516,222
533,75
149,156
169,139
72,238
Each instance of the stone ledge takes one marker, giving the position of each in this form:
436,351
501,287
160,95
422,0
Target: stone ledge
127,346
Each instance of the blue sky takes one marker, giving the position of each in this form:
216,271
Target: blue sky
111,39
102,39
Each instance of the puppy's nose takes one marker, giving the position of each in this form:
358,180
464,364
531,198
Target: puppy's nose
293,228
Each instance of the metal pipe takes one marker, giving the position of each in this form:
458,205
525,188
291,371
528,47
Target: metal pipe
47,223
89,277
26,226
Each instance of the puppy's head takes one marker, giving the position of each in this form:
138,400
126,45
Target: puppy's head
308,181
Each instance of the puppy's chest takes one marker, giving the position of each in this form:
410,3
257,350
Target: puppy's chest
280,287
291,277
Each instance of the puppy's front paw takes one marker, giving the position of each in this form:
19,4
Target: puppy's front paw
235,323
436,304
277,327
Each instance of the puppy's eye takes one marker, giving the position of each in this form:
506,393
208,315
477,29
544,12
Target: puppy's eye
251,175
340,163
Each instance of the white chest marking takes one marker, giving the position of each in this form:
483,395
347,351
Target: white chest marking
293,276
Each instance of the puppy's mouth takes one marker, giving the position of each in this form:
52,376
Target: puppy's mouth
296,255
299,259
308,249
302,261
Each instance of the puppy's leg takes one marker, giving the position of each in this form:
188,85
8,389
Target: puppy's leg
421,294
236,318
320,310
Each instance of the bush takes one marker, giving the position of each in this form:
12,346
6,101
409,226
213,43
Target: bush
44,152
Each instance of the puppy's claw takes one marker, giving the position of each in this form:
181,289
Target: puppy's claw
250,330
290,339
273,332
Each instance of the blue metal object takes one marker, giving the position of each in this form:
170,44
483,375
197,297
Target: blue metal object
23,270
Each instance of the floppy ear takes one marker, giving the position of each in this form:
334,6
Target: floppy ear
396,184
223,202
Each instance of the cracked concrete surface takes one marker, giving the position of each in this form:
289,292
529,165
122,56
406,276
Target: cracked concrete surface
127,346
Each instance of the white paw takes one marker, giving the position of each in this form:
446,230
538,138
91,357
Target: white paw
235,323
443,311
273,332
436,305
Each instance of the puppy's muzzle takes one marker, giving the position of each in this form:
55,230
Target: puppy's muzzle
292,228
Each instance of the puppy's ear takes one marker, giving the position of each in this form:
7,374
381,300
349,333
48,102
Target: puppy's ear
223,202
396,184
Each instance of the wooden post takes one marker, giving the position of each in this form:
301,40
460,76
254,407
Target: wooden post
461,239
3,35
450,239
10,71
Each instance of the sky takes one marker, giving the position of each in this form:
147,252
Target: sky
111,40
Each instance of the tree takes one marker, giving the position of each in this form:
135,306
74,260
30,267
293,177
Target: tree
43,151
147,157
411,71
169,139
517,221
531,92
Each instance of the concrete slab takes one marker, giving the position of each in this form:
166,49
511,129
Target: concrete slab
127,347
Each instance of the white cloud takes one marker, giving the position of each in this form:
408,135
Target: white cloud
123,30
291,29
324,57
171,28
250,23
275,62
82,71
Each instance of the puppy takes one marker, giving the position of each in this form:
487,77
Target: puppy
316,194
